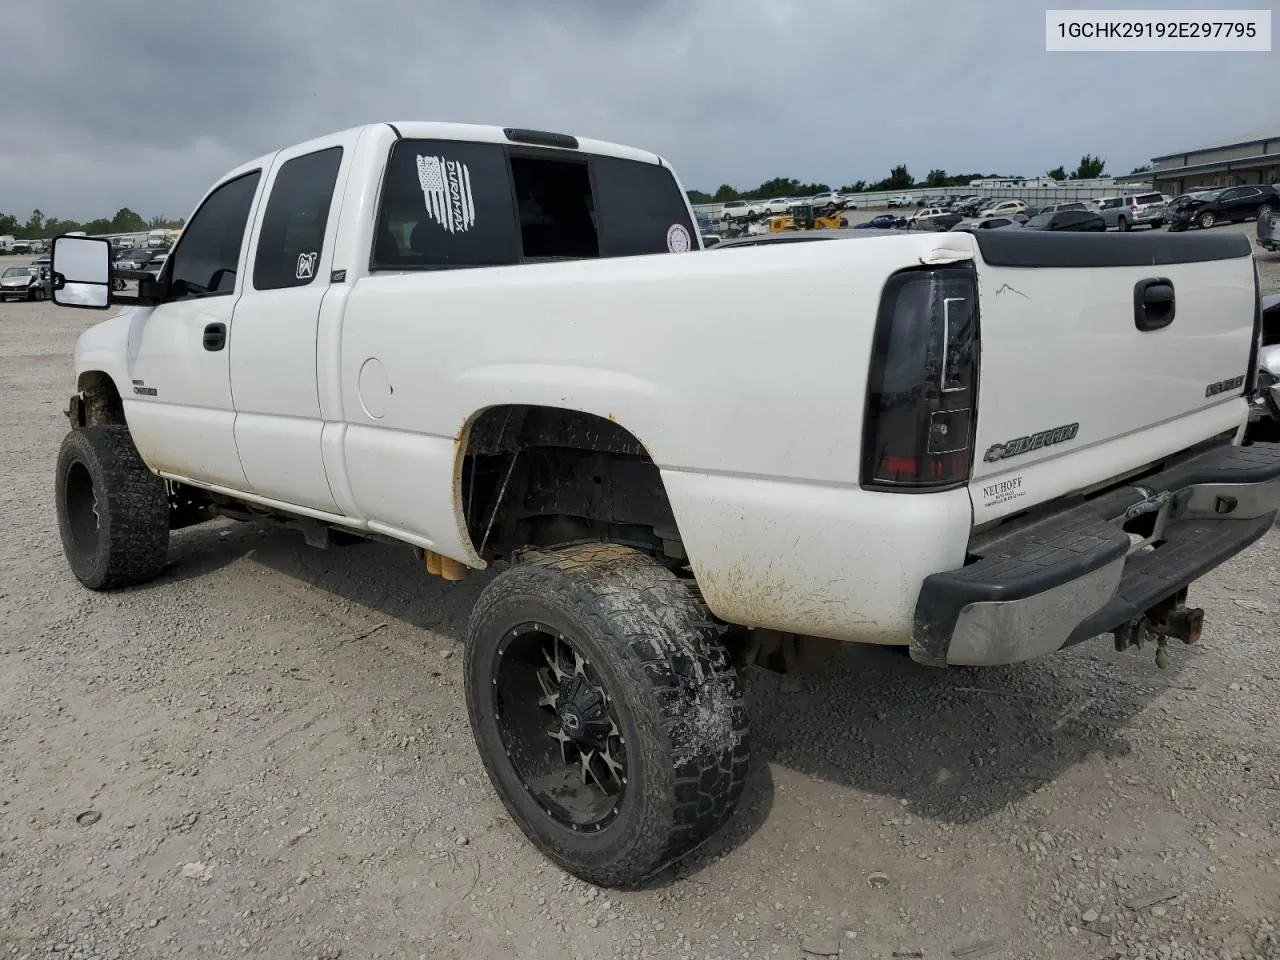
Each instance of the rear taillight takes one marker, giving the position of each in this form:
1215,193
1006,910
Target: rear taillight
922,388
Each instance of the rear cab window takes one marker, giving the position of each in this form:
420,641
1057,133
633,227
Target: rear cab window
449,204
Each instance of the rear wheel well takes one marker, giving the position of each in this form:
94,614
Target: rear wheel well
100,403
545,476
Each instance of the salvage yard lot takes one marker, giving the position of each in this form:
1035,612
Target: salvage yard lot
265,753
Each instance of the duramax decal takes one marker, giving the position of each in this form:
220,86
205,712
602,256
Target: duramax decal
1034,441
1222,386
446,190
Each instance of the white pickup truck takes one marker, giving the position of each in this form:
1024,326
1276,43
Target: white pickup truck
475,341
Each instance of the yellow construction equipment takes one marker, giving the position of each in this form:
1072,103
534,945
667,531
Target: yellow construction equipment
804,216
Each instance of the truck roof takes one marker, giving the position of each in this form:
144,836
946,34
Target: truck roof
483,133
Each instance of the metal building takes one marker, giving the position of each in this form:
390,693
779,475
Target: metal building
1246,159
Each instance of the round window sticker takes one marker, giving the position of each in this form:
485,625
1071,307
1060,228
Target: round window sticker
678,239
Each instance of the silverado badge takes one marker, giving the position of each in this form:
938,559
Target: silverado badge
1034,441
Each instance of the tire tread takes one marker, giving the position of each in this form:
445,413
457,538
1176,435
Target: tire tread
133,504
672,650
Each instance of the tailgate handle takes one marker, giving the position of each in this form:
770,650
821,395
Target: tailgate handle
1153,304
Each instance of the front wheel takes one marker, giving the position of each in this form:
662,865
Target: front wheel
1123,224
605,709
1206,220
113,513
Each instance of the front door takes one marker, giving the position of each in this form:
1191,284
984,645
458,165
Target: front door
179,401
278,427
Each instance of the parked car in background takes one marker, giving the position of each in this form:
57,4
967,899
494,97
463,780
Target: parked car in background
885,221
23,283
1064,205
156,263
828,198
776,207
925,212
970,224
707,230
901,200
941,222
133,258
734,210
1002,208
1229,205
1134,210
1075,220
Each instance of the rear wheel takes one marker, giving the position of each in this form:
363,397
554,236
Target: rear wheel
605,709
1157,224
113,513
1206,220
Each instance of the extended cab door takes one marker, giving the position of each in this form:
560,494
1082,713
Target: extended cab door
179,402
274,381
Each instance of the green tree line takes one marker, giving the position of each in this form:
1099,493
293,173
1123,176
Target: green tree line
900,178
38,226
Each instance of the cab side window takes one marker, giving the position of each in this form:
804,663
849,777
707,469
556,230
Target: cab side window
445,204
641,209
205,261
294,222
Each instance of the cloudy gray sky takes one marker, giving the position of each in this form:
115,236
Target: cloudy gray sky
141,104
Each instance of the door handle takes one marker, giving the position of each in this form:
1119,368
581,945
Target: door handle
215,336
1153,304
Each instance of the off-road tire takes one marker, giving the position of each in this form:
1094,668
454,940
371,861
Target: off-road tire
131,542
677,698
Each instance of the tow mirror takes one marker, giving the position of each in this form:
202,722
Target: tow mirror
80,272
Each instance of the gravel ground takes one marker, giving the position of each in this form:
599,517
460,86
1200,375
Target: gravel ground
265,754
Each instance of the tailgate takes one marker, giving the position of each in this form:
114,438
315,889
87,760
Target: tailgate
1083,374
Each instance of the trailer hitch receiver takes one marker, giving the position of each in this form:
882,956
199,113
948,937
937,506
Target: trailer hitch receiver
1169,618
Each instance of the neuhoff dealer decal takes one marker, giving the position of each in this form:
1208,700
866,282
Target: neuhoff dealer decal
1019,445
446,190
1002,491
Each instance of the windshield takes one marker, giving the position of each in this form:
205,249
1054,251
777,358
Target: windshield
18,272
1041,221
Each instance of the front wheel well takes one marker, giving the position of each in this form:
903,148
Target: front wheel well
100,403
547,477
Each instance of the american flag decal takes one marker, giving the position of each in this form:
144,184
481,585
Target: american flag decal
446,190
